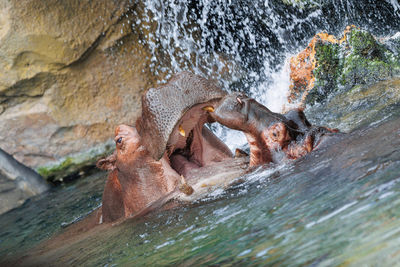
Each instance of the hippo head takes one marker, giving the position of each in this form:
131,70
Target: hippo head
128,150
268,132
168,145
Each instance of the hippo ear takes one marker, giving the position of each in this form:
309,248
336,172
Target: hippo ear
107,163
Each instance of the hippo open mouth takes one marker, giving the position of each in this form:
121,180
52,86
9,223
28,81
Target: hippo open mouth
170,145
172,123
192,145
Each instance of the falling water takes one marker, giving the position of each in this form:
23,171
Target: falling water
253,39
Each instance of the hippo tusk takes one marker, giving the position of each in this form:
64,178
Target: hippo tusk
209,109
182,131
185,188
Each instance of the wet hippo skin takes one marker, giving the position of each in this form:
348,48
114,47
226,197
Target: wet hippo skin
171,147
168,143
135,178
269,133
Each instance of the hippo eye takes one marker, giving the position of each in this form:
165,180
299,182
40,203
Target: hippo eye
119,141
274,134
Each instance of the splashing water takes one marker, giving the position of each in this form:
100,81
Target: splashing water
255,37
246,45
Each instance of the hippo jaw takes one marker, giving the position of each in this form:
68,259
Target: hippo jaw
171,125
191,145
164,106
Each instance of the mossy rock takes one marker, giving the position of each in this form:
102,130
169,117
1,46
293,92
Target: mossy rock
359,60
326,72
76,166
368,61
364,44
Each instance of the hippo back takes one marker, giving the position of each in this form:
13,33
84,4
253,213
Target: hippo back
162,108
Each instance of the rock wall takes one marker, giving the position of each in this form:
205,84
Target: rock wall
71,71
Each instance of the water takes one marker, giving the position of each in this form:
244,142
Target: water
338,205
252,38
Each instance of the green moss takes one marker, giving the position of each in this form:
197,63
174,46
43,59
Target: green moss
364,44
359,70
51,173
74,166
326,72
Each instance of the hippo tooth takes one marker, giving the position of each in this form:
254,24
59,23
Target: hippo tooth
209,109
182,131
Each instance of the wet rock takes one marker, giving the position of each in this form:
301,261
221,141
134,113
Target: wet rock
329,65
17,182
71,71
360,106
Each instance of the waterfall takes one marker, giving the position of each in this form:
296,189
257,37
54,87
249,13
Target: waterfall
244,43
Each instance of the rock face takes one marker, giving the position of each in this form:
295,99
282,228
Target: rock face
71,71
17,182
329,64
360,106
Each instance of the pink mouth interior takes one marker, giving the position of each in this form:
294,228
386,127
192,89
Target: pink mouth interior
199,147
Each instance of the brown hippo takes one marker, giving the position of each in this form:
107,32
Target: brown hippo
136,179
268,132
170,146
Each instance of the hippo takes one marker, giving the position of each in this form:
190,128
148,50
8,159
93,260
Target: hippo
269,133
170,154
168,148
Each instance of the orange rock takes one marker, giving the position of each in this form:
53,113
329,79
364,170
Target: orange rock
302,67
